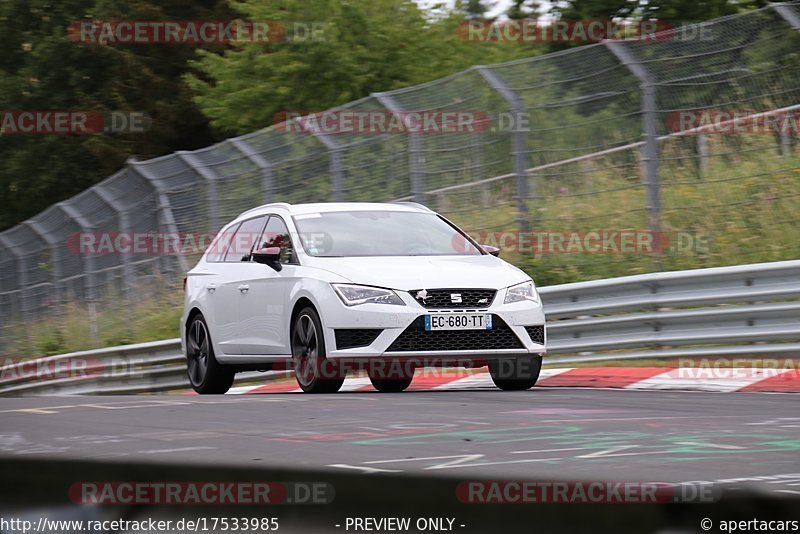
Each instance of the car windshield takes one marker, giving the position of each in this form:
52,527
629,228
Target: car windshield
380,233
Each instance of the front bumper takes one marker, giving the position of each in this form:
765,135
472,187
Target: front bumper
508,338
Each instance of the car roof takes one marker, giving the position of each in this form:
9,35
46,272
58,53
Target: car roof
323,207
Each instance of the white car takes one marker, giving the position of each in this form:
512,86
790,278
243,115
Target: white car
385,288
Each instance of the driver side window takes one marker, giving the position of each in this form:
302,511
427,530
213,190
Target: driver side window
276,234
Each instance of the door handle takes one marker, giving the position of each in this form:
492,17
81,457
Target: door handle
211,287
243,288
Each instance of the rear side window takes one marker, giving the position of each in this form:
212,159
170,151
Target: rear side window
243,240
218,248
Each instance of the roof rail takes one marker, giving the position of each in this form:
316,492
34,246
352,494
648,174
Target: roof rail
408,203
284,205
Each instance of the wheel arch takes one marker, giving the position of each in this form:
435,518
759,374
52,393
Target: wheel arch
302,302
193,312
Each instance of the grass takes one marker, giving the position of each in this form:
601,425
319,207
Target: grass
152,318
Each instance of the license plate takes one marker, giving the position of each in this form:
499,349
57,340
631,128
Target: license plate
458,321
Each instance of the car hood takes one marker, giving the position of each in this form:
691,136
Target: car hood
425,272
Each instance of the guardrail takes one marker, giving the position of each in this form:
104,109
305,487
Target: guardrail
725,311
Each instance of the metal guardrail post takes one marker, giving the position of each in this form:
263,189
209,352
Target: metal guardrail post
124,228
267,186
650,152
53,243
415,159
788,13
335,164
164,206
791,16
702,156
22,281
211,182
89,268
519,141
4,305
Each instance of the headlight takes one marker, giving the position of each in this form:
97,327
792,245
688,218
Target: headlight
354,295
523,291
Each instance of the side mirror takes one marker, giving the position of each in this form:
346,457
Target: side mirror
268,256
494,251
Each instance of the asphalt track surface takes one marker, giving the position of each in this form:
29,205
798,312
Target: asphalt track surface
544,434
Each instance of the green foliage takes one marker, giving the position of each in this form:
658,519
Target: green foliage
365,47
670,10
474,8
41,69
522,9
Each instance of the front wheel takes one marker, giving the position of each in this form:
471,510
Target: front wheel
391,382
314,372
206,375
515,374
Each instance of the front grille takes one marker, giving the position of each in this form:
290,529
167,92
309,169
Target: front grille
351,338
443,298
536,333
416,339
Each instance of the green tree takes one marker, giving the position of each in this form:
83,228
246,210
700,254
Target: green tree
366,46
475,8
41,69
522,9
669,10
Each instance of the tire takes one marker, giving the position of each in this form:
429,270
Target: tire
515,374
206,375
313,371
391,385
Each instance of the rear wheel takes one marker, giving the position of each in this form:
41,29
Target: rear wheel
515,374
314,372
206,375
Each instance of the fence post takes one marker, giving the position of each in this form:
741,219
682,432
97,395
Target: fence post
415,159
519,141
89,269
791,16
650,152
53,243
788,14
164,207
259,161
335,164
124,228
211,182
22,282
702,155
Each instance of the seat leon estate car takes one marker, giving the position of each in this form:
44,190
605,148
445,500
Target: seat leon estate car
330,288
